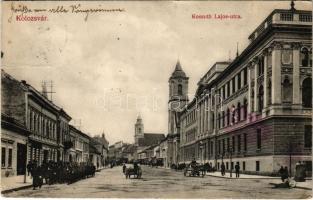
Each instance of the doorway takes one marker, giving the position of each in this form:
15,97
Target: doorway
21,159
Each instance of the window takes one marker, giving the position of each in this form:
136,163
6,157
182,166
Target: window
258,138
233,146
257,166
223,92
228,89
233,115
223,119
219,120
213,121
305,57
233,85
223,146
239,80
307,93
239,111
269,93
239,143
3,157
232,165
245,141
261,98
245,76
308,136
227,166
180,89
252,100
227,144
287,90
219,147
261,66
243,166
245,109
10,158
228,116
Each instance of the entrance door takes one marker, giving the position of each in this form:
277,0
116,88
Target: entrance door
21,159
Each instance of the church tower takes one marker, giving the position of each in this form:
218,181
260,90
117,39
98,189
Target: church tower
138,130
178,96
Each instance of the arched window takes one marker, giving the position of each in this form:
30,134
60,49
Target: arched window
287,90
307,93
305,57
269,93
228,117
239,111
180,89
233,114
261,98
245,109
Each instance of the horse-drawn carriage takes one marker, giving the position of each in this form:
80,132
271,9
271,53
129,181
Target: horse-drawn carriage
135,172
194,170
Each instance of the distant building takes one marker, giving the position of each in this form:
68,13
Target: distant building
143,140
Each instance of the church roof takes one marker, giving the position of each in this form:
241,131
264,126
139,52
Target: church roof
150,139
178,72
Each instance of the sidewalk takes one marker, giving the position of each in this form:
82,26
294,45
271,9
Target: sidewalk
242,176
307,185
13,183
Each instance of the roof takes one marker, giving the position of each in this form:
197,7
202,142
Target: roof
93,149
12,124
178,72
150,139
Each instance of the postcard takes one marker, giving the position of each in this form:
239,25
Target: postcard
156,99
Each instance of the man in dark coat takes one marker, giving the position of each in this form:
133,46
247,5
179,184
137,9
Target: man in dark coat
223,169
29,168
237,170
124,168
37,177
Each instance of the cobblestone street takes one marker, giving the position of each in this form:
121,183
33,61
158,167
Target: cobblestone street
163,183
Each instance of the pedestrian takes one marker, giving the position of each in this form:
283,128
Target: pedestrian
237,170
37,177
124,168
29,168
223,169
281,173
286,173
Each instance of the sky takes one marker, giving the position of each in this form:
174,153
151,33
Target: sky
111,66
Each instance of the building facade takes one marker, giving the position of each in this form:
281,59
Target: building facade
256,111
45,120
14,139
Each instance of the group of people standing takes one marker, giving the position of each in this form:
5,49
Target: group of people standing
237,169
283,172
58,172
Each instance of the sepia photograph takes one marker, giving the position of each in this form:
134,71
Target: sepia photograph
156,99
